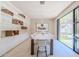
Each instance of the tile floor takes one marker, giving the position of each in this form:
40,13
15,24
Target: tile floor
60,50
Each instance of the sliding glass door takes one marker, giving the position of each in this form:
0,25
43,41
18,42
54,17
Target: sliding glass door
68,29
76,30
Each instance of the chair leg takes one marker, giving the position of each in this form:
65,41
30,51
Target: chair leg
46,51
37,51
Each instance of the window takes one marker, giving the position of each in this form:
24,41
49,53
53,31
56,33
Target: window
66,30
77,30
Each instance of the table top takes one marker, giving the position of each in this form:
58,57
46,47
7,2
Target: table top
42,35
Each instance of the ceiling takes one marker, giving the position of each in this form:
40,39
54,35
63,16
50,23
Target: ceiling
34,9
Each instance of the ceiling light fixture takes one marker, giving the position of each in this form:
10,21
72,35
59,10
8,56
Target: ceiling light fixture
42,2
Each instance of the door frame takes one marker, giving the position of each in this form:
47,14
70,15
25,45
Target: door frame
74,30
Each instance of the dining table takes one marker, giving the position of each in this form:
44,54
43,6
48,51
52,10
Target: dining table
41,36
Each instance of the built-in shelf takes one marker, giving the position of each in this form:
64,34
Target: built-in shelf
23,27
11,32
16,21
22,15
7,11
8,33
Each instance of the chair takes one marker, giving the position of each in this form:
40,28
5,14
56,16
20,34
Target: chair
42,46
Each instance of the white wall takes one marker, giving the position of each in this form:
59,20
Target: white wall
8,22
7,43
50,22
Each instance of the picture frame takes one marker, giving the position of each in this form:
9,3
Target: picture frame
42,27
